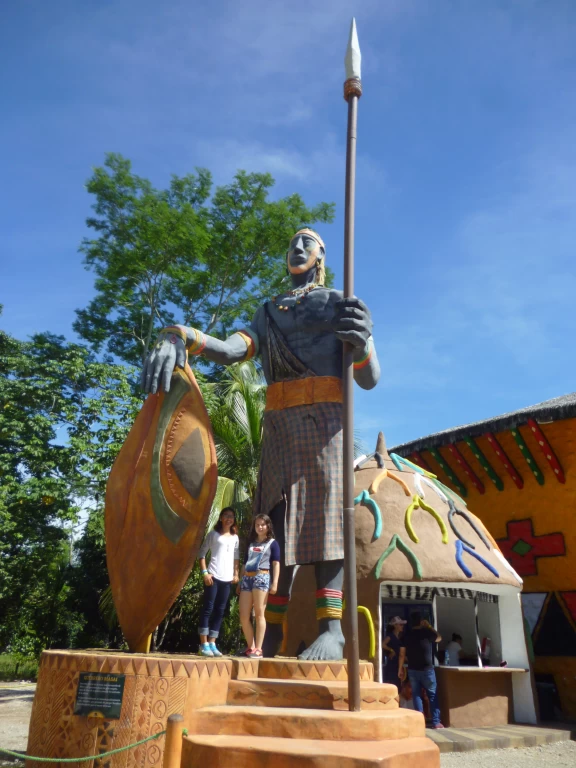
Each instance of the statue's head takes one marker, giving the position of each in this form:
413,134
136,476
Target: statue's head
306,252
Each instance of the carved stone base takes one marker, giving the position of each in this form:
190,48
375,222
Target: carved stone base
239,713
155,687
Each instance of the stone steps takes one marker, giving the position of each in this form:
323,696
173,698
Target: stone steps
232,751
285,713
293,723
310,694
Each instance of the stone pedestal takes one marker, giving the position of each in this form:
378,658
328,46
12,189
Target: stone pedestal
238,712
155,687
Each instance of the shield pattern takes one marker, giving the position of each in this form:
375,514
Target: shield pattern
158,499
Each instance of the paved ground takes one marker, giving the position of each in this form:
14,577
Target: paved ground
560,755
16,705
15,708
500,737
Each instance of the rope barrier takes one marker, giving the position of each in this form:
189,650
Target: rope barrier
84,759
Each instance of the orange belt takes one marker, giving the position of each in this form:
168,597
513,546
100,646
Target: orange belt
313,389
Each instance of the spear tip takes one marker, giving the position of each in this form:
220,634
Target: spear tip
353,57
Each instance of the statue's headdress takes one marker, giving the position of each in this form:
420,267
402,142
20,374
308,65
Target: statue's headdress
312,234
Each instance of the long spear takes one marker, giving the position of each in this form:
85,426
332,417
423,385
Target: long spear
352,92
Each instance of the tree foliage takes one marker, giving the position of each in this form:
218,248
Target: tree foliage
187,254
63,418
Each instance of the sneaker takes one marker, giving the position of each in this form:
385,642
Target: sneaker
438,726
205,650
215,651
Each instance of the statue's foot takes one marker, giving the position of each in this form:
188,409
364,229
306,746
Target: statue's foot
272,640
328,646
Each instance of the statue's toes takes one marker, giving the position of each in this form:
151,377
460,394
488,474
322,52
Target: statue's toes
323,649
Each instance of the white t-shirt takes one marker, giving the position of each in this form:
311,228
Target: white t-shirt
224,549
453,648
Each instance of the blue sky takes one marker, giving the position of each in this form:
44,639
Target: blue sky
466,189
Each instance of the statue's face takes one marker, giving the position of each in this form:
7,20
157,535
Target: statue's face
302,254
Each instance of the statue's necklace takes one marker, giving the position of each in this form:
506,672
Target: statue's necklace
298,294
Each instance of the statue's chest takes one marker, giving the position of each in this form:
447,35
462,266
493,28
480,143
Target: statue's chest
299,317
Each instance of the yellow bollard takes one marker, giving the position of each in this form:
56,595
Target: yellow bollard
144,645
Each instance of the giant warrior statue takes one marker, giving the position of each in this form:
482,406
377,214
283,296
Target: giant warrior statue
298,336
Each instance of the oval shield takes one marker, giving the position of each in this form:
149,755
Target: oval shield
158,499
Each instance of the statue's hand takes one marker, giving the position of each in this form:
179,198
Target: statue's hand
352,322
168,352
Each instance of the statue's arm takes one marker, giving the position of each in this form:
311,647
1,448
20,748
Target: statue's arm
352,323
366,365
175,342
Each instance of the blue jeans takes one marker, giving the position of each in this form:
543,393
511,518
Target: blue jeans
426,679
215,599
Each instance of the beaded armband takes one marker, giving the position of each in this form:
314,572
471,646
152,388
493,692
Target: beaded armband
251,342
365,359
328,604
197,344
175,330
276,608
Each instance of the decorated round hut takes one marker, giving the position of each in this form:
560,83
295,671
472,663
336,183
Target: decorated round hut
419,549
517,473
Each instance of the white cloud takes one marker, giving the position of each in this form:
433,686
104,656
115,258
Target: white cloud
324,166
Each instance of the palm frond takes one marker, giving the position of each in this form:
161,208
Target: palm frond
107,609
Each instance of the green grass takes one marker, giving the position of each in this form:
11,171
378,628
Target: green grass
17,668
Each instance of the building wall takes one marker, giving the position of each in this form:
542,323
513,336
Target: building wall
536,528
453,615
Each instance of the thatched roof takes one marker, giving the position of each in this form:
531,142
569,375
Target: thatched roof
550,410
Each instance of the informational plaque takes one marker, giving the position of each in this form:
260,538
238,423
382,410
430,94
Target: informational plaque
99,694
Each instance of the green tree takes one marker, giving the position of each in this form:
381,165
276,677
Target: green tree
236,410
182,254
63,418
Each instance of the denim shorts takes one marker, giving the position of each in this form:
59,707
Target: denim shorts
260,581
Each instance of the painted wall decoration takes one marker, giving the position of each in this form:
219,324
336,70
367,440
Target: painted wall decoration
475,480
522,548
547,450
569,599
532,603
555,633
505,459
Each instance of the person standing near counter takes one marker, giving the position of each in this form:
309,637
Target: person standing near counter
453,649
418,648
391,647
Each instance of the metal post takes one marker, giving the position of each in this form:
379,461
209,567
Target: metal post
352,91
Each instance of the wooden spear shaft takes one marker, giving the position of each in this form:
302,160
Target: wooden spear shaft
352,92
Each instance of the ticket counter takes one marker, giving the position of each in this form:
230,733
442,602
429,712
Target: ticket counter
474,697
491,685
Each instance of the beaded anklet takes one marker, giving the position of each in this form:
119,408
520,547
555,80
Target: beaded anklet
276,608
328,604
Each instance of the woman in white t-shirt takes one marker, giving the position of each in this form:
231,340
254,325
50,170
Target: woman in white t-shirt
221,573
453,650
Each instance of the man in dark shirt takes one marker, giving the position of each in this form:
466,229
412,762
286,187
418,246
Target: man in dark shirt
418,646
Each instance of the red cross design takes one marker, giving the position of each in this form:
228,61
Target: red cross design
522,547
